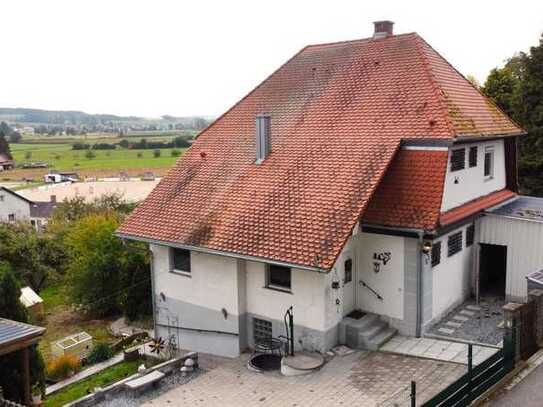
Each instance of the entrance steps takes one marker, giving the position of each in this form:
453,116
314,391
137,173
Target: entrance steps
369,332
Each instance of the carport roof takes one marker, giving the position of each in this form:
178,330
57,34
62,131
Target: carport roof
524,207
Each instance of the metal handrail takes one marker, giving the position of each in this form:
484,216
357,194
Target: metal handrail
371,289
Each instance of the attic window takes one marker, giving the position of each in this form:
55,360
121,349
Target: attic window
473,157
263,137
458,159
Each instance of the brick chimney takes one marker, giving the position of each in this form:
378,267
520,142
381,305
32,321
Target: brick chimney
382,29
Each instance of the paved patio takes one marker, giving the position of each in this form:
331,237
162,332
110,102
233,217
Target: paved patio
361,379
447,351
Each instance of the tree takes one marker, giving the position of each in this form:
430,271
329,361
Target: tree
105,277
5,130
156,153
89,154
11,377
517,88
15,137
124,143
34,257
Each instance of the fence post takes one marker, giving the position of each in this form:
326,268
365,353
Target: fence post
470,369
413,393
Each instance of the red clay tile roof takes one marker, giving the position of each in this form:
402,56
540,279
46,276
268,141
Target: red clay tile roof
339,112
475,206
410,193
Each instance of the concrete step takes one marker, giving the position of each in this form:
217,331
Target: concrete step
369,332
381,338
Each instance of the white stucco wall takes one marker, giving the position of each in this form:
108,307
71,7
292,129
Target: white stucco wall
471,181
451,278
388,282
306,296
524,241
12,204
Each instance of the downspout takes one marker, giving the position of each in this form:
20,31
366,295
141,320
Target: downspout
418,323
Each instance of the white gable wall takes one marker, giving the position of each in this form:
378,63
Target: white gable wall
471,181
12,204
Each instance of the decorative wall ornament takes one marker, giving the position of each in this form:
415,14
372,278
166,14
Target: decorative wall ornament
383,257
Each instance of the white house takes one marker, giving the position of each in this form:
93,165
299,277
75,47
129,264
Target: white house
350,184
16,208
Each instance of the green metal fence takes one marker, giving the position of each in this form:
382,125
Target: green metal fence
478,378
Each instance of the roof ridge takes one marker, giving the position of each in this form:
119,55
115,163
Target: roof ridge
437,89
332,43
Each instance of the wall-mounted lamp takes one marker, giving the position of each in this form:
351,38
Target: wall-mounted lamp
427,247
163,296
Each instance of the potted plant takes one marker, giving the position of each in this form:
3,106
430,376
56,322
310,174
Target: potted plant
37,393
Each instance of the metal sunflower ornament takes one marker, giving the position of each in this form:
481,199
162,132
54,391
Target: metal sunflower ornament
157,345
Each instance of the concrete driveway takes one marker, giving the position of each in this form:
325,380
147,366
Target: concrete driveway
358,379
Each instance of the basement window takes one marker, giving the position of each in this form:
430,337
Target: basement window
454,243
180,261
458,159
262,330
472,157
278,277
436,253
470,235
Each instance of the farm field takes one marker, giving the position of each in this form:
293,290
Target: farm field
61,157
92,138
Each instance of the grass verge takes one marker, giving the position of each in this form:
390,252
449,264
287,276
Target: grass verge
86,386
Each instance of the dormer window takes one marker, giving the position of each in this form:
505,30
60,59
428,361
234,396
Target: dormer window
263,137
458,159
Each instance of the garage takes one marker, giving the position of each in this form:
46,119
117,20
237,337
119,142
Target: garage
510,248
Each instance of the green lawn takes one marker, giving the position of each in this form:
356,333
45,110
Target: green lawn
61,320
61,157
84,387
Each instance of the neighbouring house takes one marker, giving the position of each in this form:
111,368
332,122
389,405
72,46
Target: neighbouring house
32,302
6,162
15,207
352,183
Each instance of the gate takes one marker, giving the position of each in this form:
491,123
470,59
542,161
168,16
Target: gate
478,379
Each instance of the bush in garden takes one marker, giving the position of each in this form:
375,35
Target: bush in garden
63,366
100,352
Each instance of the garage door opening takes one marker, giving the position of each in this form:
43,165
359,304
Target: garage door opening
492,270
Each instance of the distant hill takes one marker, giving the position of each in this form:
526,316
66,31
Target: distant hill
78,119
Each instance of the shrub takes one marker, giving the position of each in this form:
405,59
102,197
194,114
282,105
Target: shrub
90,155
100,352
140,155
156,153
63,366
175,153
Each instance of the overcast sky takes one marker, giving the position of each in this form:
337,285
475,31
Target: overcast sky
198,57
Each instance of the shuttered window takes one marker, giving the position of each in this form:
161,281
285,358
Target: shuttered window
470,234
473,156
454,243
458,159
436,253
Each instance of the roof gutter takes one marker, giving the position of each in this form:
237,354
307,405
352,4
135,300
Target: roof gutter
219,252
466,138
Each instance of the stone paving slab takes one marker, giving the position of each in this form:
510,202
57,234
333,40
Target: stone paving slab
436,349
359,379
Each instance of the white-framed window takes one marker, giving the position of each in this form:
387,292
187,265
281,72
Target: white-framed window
489,163
458,159
1,198
278,277
11,217
180,261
